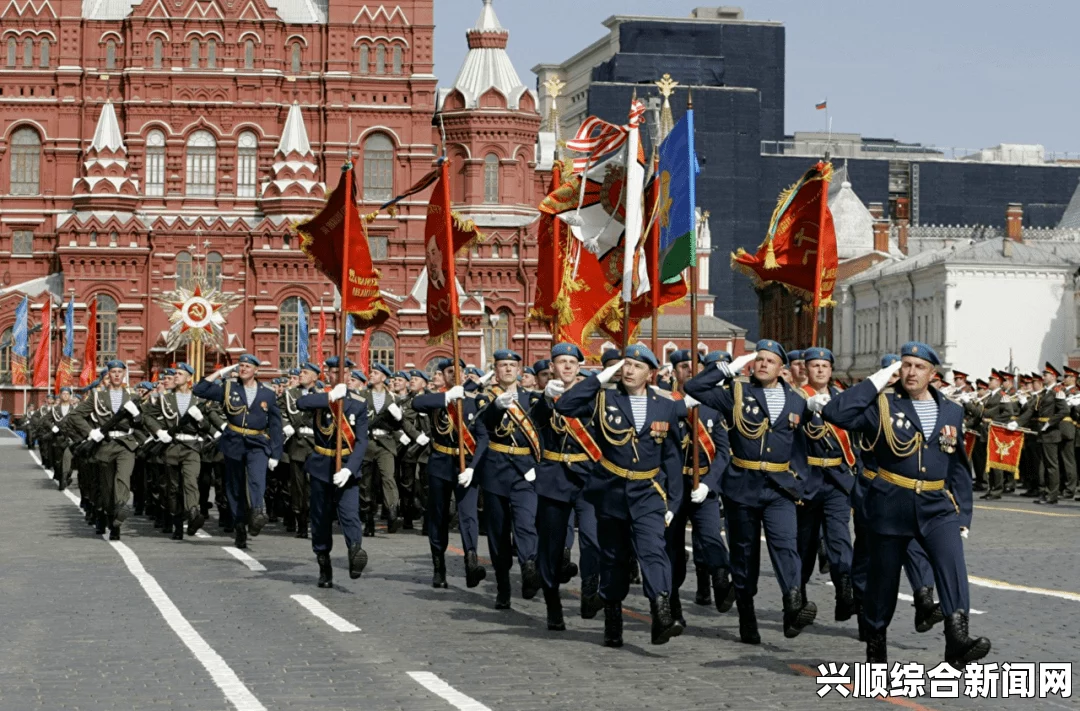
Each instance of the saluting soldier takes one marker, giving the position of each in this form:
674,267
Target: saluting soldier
1044,413
384,425
414,460
639,472
921,491
299,434
765,480
251,440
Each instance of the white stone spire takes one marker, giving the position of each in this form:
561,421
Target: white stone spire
487,65
294,138
488,21
107,136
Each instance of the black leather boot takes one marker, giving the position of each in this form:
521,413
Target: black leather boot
612,624
960,648
845,599
569,567
703,596
474,572
723,590
591,602
178,527
927,612
748,631
822,558
114,535
326,571
369,524
357,560
195,520
100,526
798,613
676,609
555,621
167,523
438,561
302,527
876,649
664,624
635,572
502,594
392,523
530,580
258,520
241,536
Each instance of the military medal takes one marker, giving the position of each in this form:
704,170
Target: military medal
947,439
793,419
659,431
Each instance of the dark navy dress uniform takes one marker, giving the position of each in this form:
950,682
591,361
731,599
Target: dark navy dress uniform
326,498
252,437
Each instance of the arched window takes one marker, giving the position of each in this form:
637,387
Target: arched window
155,163
246,161
184,277
378,168
296,58
106,328
398,59
43,60
12,47
159,50
432,365
495,251
383,350
110,54
25,162
288,331
211,53
496,332
249,54
195,50
201,164
28,52
491,178
213,270
7,342
365,59
380,59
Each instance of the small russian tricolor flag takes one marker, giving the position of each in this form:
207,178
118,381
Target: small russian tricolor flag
821,105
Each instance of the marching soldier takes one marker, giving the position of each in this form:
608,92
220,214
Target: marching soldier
414,460
528,378
1044,413
277,482
921,491
61,453
299,435
797,368
384,415
542,368
639,472
251,441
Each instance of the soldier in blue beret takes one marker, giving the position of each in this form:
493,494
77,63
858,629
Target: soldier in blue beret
385,418
333,361
542,368
713,357
764,482
299,431
528,378
356,381
797,366
251,440
507,476
640,470
413,460
921,490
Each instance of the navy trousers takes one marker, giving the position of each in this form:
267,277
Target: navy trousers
553,516
708,546
620,538
777,513
438,513
827,513
245,483
946,553
916,563
516,512
326,498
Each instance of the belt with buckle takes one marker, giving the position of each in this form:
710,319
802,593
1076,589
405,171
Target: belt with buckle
824,461
564,458
761,466
306,431
629,473
450,451
505,449
916,485
246,431
869,474
379,433
187,437
119,433
345,451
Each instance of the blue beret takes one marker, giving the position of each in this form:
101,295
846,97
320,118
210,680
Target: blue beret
542,365
402,374
116,364
529,369
716,357
888,359
313,367
146,385
275,381
567,349
186,368
816,354
610,354
168,371
65,389
332,362
473,370
296,371
249,359
920,350
382,369
640,352
772,346
104,371
681,356
795,355
419,374
359,375
506,354
449,363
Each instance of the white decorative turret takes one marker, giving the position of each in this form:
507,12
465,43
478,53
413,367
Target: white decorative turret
295,186
106,182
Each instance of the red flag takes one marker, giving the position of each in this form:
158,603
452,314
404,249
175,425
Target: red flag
550,267
320,336
89,359
800,245
969,443
1003,447
365,351
41,355
335,239
445,234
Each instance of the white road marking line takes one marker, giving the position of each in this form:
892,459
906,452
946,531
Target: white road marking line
448,693
325,614
244,558
1002,585
202,534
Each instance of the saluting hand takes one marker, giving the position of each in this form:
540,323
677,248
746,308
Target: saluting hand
608,373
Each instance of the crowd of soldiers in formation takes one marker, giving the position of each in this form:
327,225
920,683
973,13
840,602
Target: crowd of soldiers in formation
555,452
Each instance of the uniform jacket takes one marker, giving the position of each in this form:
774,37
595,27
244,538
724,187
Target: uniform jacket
500,471
414,424
822,443
383,422
300,445
710,472
1043,413
444,435
321,466
560,481
262,414
95,411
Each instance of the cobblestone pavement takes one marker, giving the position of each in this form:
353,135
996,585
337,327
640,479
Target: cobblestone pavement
155,623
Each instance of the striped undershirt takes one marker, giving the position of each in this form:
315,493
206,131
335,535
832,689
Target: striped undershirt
774,400
250,391
927,410
116,398
640,406
183,400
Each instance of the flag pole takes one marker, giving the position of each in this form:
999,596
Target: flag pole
451,278
349,208
696,454
823,207
654,249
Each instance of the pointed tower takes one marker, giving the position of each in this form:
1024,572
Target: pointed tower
106,183
295,188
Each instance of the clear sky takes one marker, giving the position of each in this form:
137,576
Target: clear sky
944,72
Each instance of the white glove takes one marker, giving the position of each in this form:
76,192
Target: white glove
699,494
55,429
196,413
504,401
1012,426
404,439
736,366
486,377
881,378
1060,395
554,389
223,426
289,431
95,434
963,532
164,437
395,411
530,475
691,402
465,477
131,408
217,436
224,371
342,477
1022,398
422,439
1045,427
817,403
338,391
455,393
608,373
271,464
669,517
1073,401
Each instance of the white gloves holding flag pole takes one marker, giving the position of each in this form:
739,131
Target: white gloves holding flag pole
342,477
506,400
454,394
465,478
699,494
